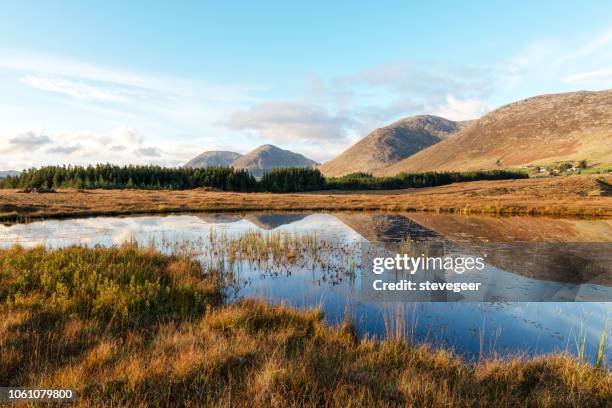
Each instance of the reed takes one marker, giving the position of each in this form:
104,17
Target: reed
601,348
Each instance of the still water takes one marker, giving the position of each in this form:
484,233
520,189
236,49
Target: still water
581,262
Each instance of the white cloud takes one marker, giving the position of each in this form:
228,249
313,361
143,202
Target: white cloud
22,143
460,109
289,121
29,139
120,146
125,136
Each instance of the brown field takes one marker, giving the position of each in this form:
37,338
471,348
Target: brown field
572,195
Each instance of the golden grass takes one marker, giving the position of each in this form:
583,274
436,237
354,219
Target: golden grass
244,354
572,195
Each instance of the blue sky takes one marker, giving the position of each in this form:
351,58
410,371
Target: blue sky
86,82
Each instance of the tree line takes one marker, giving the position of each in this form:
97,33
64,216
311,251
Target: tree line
279,180
132,176
365,181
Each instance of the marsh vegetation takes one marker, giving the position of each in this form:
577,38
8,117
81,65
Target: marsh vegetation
130,326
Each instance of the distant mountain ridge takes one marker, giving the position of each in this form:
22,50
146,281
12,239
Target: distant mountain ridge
213,158
6,173
267,157
539,130
392,143
257,161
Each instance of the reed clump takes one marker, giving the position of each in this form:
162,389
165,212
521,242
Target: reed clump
274,253
182,346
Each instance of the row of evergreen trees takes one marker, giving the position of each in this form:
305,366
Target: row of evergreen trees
365,181
287,180
156,177
146,177
280,180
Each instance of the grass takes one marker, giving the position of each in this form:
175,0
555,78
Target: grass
128,326
575,195
599,360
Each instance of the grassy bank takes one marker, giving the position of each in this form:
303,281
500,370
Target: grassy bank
131,327
563,196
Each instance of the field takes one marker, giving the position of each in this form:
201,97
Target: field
127,326
570,195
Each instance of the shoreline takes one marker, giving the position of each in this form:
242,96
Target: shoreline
573,196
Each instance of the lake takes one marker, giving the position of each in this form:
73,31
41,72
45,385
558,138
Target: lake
564,261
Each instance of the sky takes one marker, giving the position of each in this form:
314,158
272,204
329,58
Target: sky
151,82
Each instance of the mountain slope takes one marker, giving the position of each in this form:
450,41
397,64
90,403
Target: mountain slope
267,157
538,130
213,158
389,144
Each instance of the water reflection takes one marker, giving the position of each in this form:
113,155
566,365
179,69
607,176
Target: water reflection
273,221
522,251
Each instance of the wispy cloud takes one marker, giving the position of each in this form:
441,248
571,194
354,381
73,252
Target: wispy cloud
65,67
602,76
75,89
588,47
115,92
547,65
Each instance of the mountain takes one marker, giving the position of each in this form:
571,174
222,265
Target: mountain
213,158
539,130
267,157
392,143
5,173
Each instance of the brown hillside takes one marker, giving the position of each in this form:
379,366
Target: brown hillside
539,130
268,157
391,143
